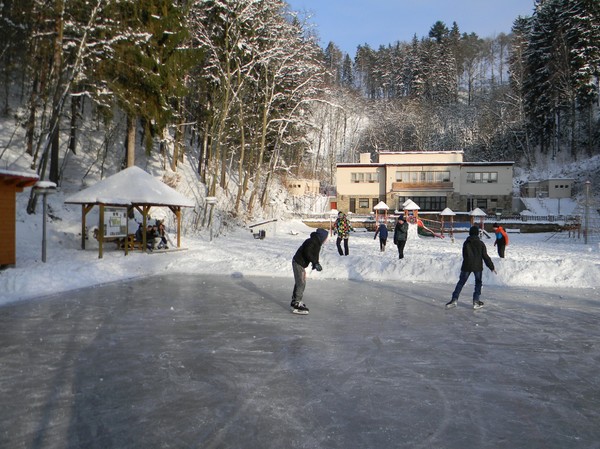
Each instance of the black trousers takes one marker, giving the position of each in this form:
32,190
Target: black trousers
501,247
401,244
339,246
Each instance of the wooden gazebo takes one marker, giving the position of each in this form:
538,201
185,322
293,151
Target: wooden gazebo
132,188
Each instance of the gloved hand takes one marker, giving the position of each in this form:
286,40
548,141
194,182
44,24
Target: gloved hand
317,266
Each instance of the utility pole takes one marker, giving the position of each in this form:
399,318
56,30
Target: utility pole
586,218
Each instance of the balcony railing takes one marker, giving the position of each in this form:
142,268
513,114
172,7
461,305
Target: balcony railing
398,186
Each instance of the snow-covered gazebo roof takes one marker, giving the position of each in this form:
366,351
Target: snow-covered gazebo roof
132,186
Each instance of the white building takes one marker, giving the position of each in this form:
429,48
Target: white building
434,180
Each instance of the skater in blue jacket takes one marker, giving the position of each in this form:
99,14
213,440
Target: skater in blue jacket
382,231
308,253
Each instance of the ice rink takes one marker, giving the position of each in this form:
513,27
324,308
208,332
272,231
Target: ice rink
220,362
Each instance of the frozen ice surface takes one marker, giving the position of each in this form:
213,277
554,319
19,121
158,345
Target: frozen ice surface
209,361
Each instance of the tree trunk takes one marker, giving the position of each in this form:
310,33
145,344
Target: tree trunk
130,148
75,103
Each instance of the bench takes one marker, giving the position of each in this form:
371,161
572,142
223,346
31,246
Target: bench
132,244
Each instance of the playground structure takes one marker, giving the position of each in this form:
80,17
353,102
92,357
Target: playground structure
435,228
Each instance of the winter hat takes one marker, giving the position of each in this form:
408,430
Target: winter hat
474,231
495,225
322,234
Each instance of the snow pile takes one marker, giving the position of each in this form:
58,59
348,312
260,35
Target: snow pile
532,260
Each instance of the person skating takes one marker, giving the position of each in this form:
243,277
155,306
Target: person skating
307,253
400,235
382,231
501,241
474,255
342,228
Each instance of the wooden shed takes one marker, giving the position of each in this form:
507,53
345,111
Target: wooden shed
11,182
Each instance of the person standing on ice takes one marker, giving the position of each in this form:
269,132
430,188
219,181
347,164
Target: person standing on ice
400,235
308,253
342,228
501,241
474,255
382,231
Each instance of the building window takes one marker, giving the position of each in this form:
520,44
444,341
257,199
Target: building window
363,203
417,177
482,177
429,203
352,205
364,177
481,203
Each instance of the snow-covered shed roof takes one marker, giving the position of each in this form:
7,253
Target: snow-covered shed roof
19,179
132,186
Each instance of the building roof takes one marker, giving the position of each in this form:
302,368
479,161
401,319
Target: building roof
19,179
422,164
132,186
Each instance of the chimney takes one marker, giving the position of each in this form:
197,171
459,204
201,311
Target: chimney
365,158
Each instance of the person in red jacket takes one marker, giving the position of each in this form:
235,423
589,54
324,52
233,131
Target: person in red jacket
501,239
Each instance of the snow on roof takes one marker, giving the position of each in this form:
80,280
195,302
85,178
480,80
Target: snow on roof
20,174
478,213
130,186
447,212
45,185
381,206
410,205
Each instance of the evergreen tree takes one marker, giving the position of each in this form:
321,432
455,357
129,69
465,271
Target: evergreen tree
347,72
333,63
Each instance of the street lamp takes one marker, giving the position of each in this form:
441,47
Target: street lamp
210,200
44,188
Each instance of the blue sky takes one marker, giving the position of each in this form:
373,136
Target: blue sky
350,23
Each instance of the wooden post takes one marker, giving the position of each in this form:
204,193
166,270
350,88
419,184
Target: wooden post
101,231
178,216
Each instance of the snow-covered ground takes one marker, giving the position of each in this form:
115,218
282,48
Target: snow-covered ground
533,260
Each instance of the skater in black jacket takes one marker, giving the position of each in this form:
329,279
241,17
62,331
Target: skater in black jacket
308,253
474,255
400,235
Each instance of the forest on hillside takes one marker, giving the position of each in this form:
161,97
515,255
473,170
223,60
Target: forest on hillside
241,89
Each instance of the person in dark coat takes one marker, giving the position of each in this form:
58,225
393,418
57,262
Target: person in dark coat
400,235
382,231
474,255
308,253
